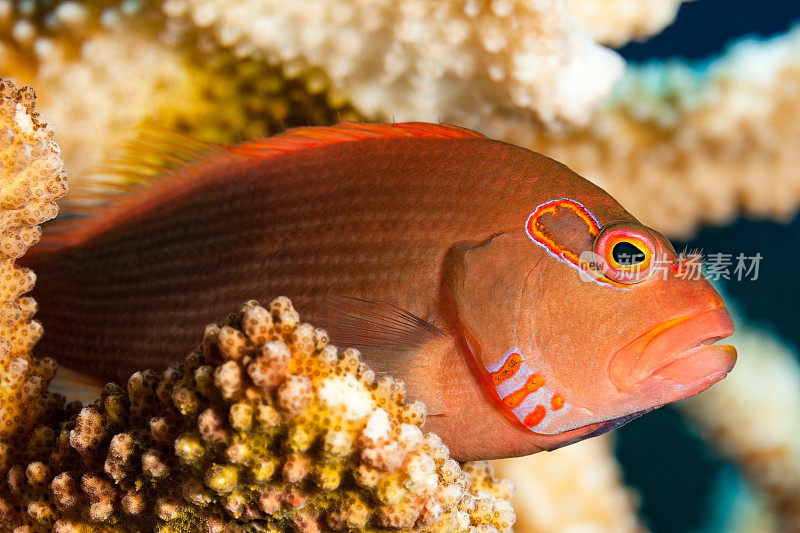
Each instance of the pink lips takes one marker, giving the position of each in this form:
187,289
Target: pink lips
680,350
703,363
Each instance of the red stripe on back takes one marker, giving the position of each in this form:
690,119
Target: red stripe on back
291,140
310,137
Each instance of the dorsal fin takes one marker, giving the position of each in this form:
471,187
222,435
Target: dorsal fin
160,159
157,154
153,153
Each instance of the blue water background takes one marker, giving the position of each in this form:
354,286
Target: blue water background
684,488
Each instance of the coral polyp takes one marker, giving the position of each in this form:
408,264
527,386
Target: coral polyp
264,427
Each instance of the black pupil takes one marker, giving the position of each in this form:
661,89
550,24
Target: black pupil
625,253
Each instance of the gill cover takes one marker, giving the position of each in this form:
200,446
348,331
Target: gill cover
488,283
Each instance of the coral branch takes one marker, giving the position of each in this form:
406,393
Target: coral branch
615,22
680,146
264,427
577,488
458,61
31,179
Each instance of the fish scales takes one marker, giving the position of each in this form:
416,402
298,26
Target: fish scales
304,224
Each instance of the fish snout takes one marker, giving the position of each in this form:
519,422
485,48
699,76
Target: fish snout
678,357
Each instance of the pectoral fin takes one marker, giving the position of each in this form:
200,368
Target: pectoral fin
75,385
392,341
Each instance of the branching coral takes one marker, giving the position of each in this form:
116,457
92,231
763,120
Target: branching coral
751,417
264,427
457,61
97,91
577,488
31,179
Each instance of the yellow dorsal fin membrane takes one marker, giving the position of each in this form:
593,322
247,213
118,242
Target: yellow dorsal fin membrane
391,341
140,163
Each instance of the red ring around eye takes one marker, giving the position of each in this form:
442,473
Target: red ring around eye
625,273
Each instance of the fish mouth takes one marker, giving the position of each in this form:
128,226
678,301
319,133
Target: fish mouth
680,351
671,361
701,365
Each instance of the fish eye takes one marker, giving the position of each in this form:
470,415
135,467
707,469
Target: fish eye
627,253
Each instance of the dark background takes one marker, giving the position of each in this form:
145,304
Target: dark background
683,487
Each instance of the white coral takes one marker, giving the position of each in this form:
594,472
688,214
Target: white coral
347,394
457,61
680,146
577,488
615,22
751,417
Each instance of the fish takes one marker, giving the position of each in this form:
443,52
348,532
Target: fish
522,303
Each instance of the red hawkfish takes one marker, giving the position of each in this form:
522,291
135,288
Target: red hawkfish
519,301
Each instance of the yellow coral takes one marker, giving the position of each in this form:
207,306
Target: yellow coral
265,426
31,179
